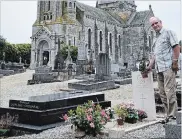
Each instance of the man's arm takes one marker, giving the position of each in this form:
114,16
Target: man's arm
152,61
176,52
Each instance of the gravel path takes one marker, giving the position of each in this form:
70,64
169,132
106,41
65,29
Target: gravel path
15,86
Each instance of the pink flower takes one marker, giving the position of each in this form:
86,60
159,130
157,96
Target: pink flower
92,125
90,109
89,117
65,117
103,113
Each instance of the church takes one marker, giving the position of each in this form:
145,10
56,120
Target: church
113,27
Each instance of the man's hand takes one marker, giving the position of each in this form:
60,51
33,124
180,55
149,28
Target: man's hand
175,66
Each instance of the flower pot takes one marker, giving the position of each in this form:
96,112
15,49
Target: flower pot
131,120
79,133
140,119
120,121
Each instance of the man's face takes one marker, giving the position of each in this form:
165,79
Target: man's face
156,24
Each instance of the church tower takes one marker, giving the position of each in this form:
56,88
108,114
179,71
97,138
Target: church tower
72,9
69,8
48,10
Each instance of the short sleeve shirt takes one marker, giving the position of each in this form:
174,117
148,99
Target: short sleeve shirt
163,44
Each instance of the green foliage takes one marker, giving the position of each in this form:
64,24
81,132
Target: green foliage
73,51
2,46
132,113
23,50
14,51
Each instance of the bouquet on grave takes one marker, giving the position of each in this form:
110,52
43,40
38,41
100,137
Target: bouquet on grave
88,117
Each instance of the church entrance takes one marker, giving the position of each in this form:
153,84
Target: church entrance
45,57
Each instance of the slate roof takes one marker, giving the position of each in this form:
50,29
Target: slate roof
139,17
106,1
98,13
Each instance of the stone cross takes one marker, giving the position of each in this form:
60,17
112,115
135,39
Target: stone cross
142,98
20,60
68,50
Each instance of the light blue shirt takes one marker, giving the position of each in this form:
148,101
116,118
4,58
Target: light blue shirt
162,46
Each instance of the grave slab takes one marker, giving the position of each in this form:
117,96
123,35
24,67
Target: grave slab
57,100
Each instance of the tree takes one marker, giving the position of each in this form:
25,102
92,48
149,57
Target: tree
2,46
73,51
23,51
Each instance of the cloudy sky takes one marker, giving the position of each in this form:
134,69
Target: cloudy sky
17,17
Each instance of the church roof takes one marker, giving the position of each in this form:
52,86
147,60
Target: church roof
139,17
98,13
106,1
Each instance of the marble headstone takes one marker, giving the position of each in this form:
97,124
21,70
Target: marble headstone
143,94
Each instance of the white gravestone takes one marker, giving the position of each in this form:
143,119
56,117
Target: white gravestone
143,94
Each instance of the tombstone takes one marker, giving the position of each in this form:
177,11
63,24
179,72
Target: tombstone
70,69
131,62
80,66
59,61
143,94
43,74
103,67
114,68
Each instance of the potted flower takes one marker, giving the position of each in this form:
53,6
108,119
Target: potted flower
142,114
132,116
89,118
143,68
121,113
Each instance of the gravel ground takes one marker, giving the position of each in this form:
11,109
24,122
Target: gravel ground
15,86
64,132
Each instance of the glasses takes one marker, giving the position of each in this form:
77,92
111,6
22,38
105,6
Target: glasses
155,23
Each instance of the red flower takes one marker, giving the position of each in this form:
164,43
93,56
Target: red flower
65,117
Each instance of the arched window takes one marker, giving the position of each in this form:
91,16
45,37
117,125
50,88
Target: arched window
50,16
74,41
110,42
49,5
70,4
89,39
100,36
79,35
119,44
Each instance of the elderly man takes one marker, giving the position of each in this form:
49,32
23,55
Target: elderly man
165,56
